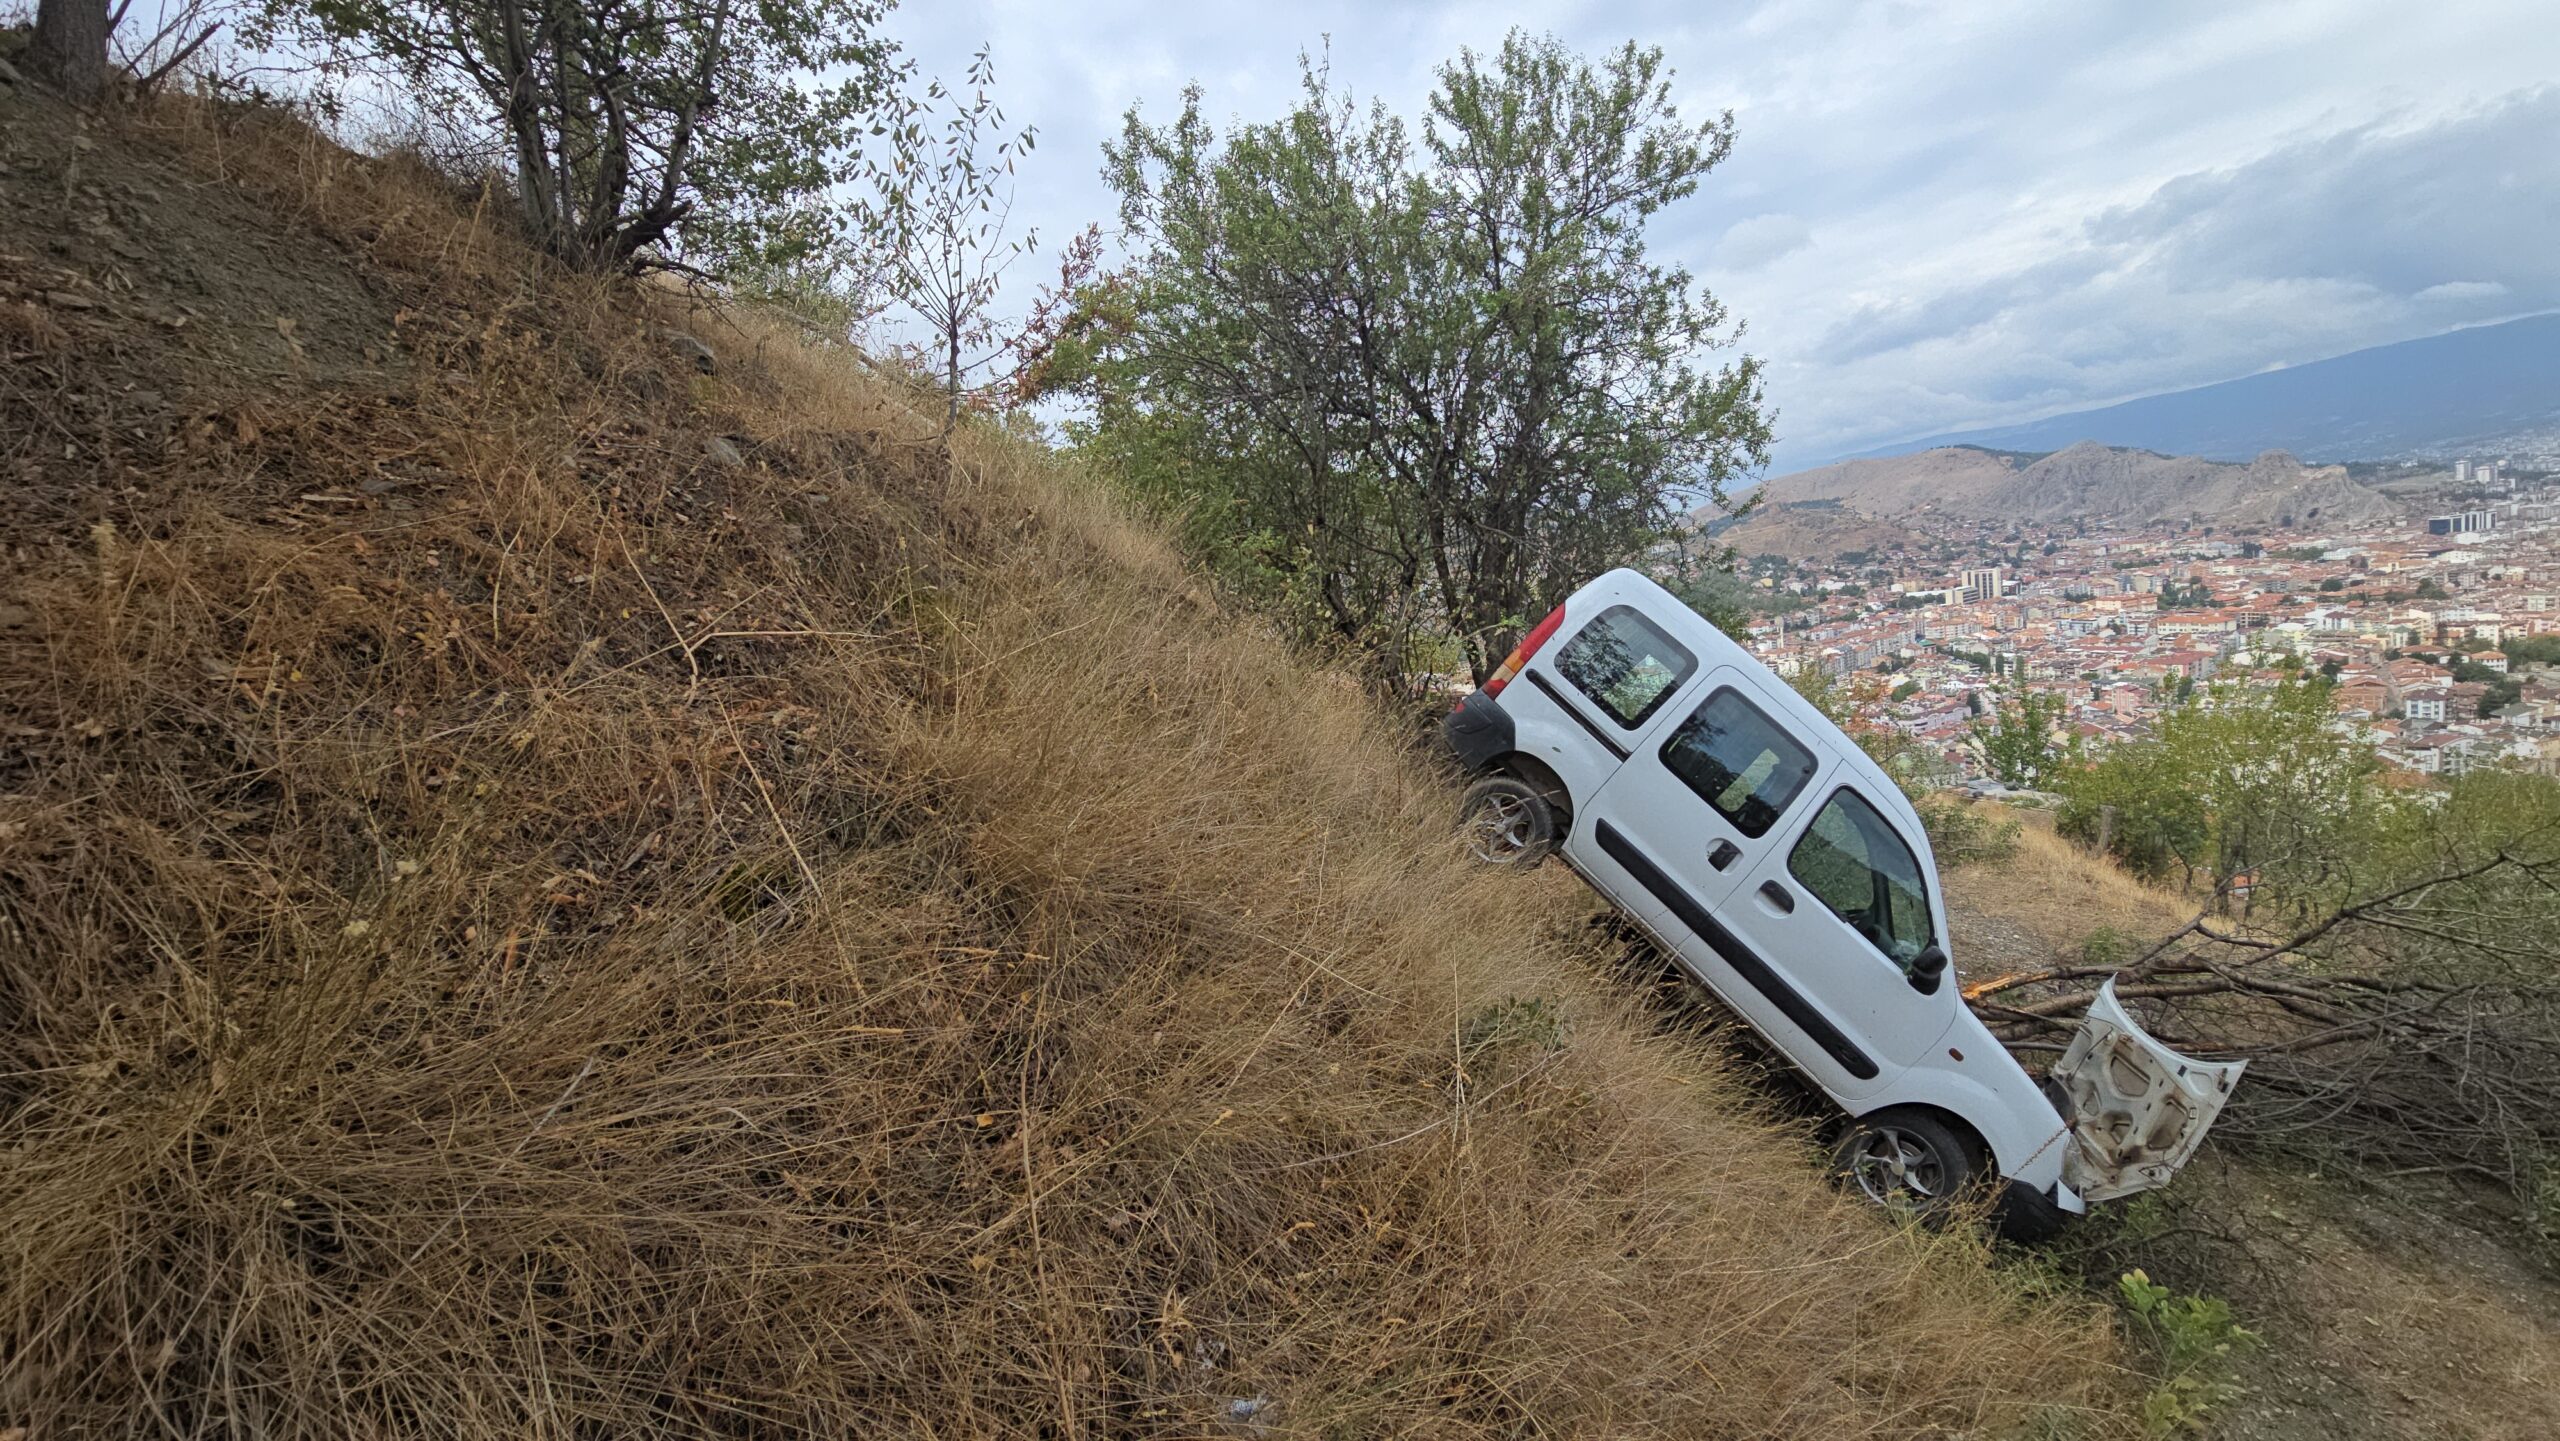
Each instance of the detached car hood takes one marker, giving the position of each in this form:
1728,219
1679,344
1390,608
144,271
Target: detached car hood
2136,1109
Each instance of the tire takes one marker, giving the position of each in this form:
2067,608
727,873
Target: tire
1907,1158
1507,822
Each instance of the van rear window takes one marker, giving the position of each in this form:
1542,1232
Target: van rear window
1625,664
1738,761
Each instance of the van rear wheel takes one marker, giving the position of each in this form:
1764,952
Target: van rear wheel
1906,1158
1507,822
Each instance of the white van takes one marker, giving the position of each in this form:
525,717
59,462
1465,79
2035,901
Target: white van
1758,844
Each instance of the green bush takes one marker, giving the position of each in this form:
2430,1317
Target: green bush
2196,1339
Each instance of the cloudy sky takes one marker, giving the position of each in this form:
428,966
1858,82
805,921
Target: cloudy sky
1942,215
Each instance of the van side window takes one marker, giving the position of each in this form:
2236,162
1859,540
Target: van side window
1625,664
1738,761
1852,860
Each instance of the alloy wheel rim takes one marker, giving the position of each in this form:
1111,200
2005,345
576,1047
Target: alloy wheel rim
1893,1162
1501,829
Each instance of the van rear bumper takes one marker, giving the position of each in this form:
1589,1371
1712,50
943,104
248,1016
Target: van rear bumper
1479,731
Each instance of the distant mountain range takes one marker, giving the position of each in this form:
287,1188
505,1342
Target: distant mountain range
2480,391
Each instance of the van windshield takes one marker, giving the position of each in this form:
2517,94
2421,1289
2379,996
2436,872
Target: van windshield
1625,664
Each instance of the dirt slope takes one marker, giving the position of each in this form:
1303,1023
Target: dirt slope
548,892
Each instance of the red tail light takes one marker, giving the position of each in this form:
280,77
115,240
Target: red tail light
1538,635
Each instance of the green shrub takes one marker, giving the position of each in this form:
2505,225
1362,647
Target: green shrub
2196,1339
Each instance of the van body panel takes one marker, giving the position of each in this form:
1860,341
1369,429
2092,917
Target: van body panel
1556,737
1734,969
1859,988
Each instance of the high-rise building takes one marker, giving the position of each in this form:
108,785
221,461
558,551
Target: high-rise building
2462,472
1982,583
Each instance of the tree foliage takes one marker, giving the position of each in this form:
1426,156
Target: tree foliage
2389,978
712,130
1414,385
2240,782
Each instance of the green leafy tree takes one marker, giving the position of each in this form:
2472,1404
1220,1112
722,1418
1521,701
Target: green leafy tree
2533,650
2021,742
1406,384
1720,596
2242,781
709,131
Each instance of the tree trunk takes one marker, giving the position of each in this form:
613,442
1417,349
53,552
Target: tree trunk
70,49
951,409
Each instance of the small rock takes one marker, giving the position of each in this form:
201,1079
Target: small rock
65,300
13,616
722,453
9,74
691,349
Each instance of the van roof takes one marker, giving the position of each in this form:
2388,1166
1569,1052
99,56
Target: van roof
1713,648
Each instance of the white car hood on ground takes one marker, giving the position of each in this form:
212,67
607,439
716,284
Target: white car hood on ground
2137,1110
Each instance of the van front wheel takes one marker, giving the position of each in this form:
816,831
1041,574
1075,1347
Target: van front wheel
1506,822
1906,1158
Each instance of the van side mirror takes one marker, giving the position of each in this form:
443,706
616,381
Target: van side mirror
1927,968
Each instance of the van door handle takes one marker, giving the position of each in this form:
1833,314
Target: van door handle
1778,895
1722,854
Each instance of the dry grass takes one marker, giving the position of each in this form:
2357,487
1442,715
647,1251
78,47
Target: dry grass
581,941
2059,892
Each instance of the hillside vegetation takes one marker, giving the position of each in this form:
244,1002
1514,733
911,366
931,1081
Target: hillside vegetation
545,891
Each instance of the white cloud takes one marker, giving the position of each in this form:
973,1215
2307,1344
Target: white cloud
2458,291
2021,207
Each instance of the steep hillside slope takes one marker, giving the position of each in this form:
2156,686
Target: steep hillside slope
2465,390
549,891
2096,481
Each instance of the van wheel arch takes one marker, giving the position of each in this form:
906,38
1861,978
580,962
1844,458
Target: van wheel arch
1966,1131
1539,774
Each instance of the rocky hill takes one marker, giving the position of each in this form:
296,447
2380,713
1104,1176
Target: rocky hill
2106,483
